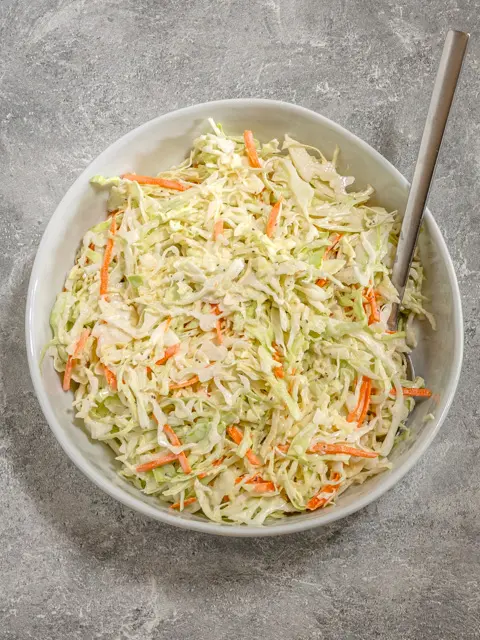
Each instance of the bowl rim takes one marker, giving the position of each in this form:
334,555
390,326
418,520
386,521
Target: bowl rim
289,526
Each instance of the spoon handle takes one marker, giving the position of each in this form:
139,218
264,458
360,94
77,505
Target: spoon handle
441,101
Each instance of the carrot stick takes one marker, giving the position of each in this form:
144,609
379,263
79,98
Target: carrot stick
251,150
366,403
413,392
278,371
264,487
276,353
321,282
259,484
169,353
160,182
372,301
218,329
111,378
255,478
107,257
186,502
352,416
333,243
174,439
237,436
331,449
67,376
316,502
215,463
273,217
218,229
81,342
185,383
158,462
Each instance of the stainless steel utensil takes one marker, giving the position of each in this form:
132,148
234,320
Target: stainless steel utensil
442,97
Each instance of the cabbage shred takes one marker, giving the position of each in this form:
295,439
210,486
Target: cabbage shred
270,336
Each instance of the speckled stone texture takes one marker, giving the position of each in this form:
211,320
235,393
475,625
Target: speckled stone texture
74,76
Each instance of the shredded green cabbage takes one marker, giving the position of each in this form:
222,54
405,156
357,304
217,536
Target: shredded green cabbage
273,337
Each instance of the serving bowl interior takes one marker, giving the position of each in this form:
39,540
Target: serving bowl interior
157,145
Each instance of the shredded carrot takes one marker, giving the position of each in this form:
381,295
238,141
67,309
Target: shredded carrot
352,416
333,243
218,326
160,182
276,352
185,383
67,376
273,217
344,449
390,332
111,378
169,353
316,502
218,329
264,487
278,371
251,150
252,458
242,478
374,315
283,447
107,257
218,229
177,505
237,436
215,463
81,342
158,462
321,282
174,439
366,403
167,323
413,392
259,484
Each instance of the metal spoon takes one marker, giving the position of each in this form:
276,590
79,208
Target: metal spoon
440,103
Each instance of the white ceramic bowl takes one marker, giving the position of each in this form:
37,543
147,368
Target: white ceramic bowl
157,145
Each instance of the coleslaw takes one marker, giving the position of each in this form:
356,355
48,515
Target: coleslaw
225,330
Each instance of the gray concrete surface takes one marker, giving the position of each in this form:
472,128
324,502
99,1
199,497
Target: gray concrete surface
74,76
